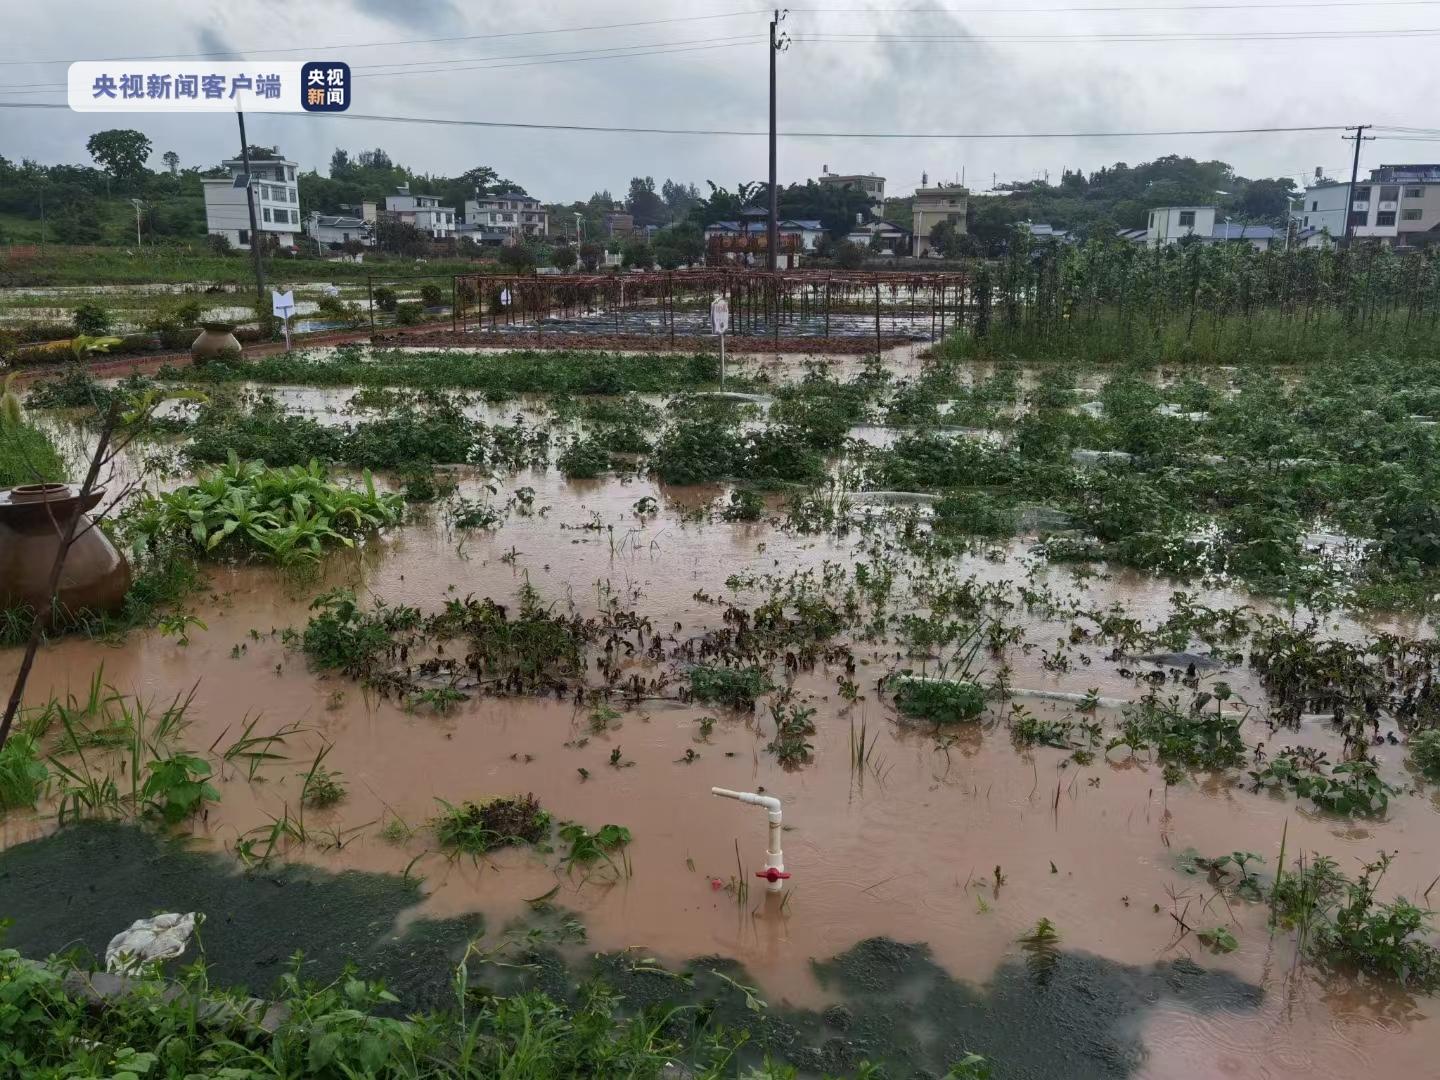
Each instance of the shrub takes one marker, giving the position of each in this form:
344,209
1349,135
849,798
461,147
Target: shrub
93,319
385,298
940,701
564,257
745,505
431,295
409,313
582,459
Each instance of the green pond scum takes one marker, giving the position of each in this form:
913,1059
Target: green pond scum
895,1009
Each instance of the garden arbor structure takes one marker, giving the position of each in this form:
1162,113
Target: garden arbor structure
797,304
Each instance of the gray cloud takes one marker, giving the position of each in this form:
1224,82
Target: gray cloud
922,85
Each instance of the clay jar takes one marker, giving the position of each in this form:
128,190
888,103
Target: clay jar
95,576
216,342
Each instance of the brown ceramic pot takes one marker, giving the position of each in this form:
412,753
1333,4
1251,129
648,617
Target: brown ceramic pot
32,520
215,342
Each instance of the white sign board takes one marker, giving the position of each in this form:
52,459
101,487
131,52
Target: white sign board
720,316
283,304
505,297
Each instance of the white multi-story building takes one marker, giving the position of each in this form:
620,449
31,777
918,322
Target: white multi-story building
511,212
1399,205
350,224
1171,224
422,211
277,201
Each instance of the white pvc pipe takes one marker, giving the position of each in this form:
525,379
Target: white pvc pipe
774,857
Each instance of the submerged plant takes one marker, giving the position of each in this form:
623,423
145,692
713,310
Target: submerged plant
475,828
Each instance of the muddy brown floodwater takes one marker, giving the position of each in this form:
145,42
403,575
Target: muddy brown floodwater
907,847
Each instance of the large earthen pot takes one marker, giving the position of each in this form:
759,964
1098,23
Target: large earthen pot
95,576
217,341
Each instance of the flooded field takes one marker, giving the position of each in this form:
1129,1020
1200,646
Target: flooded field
1121,752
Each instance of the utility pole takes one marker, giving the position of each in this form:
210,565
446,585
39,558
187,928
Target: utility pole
1359,137
254,227
772,235
137,204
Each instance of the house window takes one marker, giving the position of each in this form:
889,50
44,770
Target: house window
1390,193
1307,221
1314,205
289,173
1411,215
1385,217
267,213
344,237
1362,194
1414,193
1359,218
244,236
1187,219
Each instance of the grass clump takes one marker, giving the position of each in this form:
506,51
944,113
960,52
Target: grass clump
587,848
475,828
1192,737
736,688
939,701
1424,752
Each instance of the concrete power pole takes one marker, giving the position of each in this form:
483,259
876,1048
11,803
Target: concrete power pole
254,226
1359,137
772,235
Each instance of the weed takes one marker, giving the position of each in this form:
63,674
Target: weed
939,701
587,848
475,828
22,774
1218,938
736,688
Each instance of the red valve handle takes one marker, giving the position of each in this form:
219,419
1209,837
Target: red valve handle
771,874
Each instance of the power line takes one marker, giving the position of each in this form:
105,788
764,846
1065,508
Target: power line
1116,38
412,41
626,130
1116,9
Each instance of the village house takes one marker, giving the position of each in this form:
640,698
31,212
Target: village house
513,214
277,200
422,211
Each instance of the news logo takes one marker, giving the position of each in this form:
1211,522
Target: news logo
325,86
203,86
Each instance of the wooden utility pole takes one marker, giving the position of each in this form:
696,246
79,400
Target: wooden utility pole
1359,137
254,227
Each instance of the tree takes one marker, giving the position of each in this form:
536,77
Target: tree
679,198
949,241
122,152
590,253
849,256
679,245
643,204
339,163
564,257
638,254
517,258
479,178
172,162
398,236
374,159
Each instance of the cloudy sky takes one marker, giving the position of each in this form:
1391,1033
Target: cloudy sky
917,66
